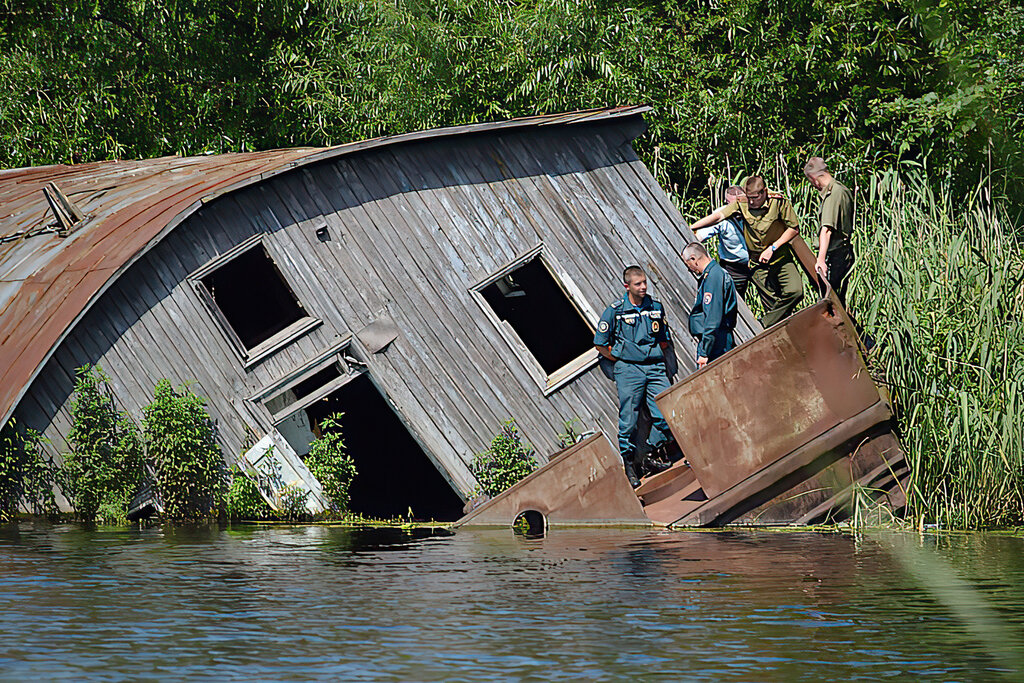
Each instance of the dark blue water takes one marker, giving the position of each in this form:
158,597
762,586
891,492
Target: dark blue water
329,603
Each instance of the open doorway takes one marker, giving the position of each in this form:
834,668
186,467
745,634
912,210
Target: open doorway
394,475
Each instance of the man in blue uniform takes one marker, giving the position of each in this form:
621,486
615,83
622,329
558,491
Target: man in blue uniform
713,315
633,335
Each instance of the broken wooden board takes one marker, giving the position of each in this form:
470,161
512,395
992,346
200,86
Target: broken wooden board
274,467
581,485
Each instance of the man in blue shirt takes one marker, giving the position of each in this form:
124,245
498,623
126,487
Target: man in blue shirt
732,247
713,315
633,335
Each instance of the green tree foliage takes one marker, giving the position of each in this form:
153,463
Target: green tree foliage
739,81
505,462
330,464
26,477
104,467
183,449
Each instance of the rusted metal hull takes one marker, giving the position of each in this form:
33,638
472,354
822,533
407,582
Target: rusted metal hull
581,485
778,430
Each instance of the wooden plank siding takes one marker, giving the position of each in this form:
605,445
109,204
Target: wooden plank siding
412,228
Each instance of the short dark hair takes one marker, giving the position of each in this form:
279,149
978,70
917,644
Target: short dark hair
694,249
755,183
628,273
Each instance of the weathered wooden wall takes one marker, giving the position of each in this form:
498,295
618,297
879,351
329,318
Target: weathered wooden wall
413,227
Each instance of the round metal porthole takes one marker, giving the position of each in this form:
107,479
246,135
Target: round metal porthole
530,524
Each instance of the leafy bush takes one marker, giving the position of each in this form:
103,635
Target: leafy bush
330,464
190,473
105,466
244,501
570,434
293,503
26,478
507,461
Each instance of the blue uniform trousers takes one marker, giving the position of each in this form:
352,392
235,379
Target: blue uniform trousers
724,342
635,383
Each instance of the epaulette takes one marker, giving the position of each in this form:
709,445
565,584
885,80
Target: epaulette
776,195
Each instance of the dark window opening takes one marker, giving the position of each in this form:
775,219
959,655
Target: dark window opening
394,475
539,311
253,297
304,388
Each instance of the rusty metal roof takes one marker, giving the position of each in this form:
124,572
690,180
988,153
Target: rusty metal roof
48,282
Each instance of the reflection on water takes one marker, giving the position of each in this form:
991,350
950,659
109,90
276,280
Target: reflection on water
319,602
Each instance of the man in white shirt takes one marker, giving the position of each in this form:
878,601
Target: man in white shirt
732,248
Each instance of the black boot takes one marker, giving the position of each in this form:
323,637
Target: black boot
627,463
651,463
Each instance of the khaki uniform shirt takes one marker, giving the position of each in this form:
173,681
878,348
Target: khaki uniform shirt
836,212
758,222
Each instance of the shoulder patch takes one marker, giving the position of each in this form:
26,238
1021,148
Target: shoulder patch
602,326
707,298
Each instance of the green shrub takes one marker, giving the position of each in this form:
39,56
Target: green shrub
26,478
330,464
244,501
570,433
505,462
183,449
293,503
104,467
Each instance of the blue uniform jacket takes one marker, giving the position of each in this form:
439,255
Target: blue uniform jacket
634,335
714,311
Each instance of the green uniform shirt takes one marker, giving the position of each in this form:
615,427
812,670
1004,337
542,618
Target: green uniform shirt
758,221
836,212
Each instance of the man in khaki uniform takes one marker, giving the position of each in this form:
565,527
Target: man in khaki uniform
769,224
835,220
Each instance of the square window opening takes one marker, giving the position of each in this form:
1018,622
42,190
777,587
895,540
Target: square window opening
253,297
533,303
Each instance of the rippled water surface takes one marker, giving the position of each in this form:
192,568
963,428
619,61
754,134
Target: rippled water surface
330,603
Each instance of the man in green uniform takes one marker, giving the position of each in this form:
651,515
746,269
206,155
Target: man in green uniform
770,223
835,220
633,334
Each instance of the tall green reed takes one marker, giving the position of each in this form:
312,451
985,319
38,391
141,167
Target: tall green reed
939,286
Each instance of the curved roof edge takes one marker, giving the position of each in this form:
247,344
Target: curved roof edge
49,282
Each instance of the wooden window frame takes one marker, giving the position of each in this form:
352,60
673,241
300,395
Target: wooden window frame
336,354
549,383
267,347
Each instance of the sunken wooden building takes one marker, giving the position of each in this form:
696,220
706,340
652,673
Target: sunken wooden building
431,286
